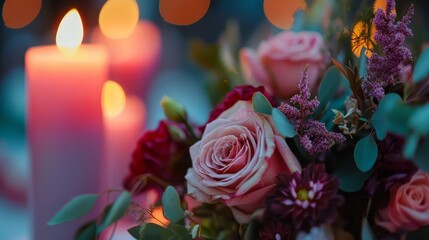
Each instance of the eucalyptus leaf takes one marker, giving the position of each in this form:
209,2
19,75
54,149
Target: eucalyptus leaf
329,86
225,235
421,70
397,118
283,124
367,233
350,177
180,232
74,209
363,62
171,205
154,232
261,103
298,21
87,231
378,119
195,230
411,146
251,231
419,121
117,210
365,153
421,157
134,232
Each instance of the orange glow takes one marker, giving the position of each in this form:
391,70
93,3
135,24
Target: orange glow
382,4
113,99
280,12
362,37
158,218
19,13
70,32
183,12
118,18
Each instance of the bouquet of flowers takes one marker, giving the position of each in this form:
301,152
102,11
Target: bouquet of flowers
313,149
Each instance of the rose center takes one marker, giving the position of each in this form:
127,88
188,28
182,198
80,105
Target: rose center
303,195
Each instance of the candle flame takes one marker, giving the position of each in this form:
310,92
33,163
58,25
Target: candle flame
113,99
70,32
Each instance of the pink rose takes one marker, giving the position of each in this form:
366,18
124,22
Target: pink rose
280,60
408,208
237,161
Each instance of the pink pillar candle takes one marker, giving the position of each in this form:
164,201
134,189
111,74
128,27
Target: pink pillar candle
122,133
133,60
65,131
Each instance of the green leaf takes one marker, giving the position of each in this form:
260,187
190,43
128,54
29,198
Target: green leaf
298,21
134,232
87,231
329,86
251,231
365,153
367,233
282,124
378,119
117,210
398,117
180,232
75,208
261,103
363,61
171,205
350,177
195,230
421,157
419,120
154,232
225,235
411,146
421,69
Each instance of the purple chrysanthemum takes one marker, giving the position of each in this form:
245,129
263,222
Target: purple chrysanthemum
313,135
385,70
306,199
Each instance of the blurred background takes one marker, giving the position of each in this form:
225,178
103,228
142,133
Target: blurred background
166,51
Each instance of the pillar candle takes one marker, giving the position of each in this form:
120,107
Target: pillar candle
65,128
122,133
133,60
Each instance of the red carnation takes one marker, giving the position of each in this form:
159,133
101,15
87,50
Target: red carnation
157,153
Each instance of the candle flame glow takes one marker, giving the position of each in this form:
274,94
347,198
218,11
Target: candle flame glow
113,99
70,32
158,217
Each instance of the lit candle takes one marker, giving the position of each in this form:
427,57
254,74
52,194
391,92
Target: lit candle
134,60
124,121
65,127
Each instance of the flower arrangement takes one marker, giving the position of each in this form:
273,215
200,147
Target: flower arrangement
316,149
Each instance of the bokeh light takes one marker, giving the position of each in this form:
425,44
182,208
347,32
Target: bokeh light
113,99
280,12
19,13
382,4
118,18
70,32
183,12
362,37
